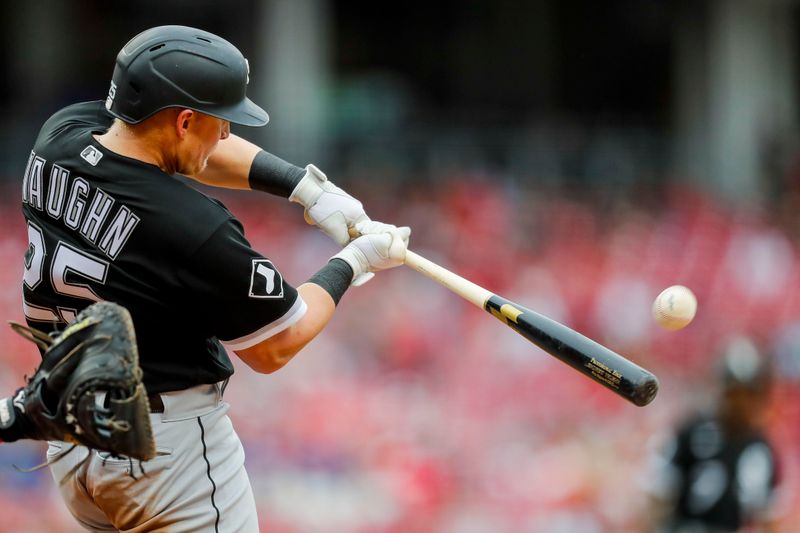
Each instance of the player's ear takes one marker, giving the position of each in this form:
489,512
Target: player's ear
182,122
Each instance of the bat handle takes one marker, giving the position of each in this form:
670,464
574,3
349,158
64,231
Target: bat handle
475,294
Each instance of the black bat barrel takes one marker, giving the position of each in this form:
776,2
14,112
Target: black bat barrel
591,358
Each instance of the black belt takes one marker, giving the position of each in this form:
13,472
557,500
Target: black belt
156,403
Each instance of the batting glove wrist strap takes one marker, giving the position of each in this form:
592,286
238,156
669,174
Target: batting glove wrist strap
356,258
309,188
327,206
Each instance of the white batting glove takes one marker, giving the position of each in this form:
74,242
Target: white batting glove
380,246
327,206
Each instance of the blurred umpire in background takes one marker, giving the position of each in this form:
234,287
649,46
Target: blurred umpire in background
109,217
717,472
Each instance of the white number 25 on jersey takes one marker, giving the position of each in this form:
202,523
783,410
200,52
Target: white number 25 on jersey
66,260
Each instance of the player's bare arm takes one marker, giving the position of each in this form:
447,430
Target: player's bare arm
236,163
272,354
229,164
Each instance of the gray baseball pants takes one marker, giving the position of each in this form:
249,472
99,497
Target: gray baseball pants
196,483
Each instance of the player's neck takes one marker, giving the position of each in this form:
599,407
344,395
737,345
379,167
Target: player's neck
141,144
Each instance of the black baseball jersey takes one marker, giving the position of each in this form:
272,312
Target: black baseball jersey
102,226
722,480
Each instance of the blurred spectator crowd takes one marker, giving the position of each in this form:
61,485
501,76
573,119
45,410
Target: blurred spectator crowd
415,411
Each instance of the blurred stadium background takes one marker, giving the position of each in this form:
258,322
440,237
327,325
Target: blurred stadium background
575,156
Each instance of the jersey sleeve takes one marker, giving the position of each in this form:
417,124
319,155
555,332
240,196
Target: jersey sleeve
237,293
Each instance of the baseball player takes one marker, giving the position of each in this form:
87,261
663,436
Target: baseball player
718,473
108,219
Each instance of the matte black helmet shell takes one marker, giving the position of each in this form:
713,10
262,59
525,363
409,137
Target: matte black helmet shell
178,66
744,366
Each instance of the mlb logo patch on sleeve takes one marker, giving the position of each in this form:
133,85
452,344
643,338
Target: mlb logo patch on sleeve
265,280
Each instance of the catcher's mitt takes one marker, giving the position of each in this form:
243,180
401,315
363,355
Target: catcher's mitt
63,400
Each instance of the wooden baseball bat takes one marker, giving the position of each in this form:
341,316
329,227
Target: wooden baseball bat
588,357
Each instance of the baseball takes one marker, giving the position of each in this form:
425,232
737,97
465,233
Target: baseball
675,307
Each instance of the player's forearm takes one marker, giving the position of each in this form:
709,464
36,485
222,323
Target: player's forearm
321,293
229,164
273,353
237,163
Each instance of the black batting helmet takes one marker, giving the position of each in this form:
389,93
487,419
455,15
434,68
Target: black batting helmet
743,366
178,66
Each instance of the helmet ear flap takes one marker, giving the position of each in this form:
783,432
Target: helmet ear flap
179,66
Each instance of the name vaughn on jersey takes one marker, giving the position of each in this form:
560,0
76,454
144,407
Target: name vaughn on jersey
89,216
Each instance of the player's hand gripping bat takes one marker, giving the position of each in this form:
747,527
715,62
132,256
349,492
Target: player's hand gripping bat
592,359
